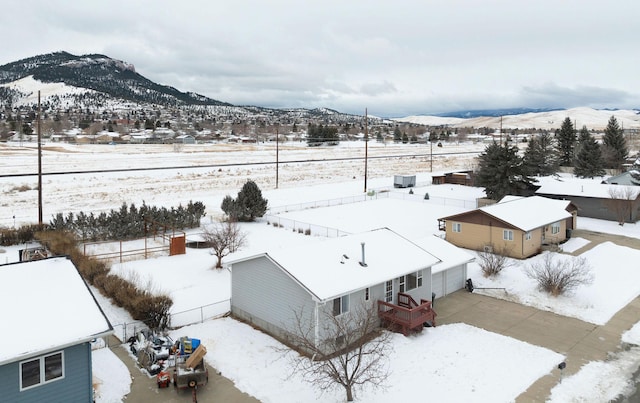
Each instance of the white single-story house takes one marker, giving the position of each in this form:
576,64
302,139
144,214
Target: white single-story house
49,317
334,277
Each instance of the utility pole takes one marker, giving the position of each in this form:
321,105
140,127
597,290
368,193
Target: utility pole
277,153
39,167
431,153
366,146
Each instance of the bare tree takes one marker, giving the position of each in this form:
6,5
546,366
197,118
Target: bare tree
493,260
224,238
353,353
559,276
621,202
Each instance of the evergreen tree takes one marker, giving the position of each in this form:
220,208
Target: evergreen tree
566,138
588,162
247,206
541,157
635,171
502,171
397,135
615,150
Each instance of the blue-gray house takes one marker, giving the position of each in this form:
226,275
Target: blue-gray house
313,283
48,317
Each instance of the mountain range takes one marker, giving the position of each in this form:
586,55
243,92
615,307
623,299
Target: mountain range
98,81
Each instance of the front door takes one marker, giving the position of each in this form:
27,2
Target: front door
388,291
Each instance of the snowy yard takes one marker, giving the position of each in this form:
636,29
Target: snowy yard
459,362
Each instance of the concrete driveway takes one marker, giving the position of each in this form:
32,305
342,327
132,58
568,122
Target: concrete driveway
145,389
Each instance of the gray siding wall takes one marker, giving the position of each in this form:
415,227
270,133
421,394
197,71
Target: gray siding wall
76,385
264,295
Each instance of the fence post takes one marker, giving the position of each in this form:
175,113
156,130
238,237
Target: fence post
201,315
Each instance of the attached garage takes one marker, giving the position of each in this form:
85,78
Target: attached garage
449,280
450,274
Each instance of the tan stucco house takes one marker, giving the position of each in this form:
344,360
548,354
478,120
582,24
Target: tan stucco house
516,226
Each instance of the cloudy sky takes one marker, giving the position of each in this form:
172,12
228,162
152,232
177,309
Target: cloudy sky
395,58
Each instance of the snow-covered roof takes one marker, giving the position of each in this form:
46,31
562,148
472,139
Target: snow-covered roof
449,254
332,268
528,213
584,189
48,306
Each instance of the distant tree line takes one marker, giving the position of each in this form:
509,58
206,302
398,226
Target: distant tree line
503,171
320,134
128,222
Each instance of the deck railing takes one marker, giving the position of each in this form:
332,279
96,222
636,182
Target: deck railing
408,315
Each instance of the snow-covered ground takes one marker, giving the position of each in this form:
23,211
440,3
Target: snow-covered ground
444,355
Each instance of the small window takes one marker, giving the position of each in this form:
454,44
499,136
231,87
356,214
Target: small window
527,236
340,305
41,370
507,235
456,227
555,227
366,294
419,277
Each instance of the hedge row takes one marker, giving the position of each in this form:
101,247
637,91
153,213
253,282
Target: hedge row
128,222
151,309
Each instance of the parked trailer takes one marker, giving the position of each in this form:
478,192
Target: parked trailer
190,371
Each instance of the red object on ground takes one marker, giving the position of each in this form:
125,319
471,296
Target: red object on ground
163,379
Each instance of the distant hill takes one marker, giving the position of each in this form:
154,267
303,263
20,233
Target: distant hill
547,120
103,76
492,112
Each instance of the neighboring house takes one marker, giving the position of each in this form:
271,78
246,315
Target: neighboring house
49,317
597,200
517,226
624,178
334,277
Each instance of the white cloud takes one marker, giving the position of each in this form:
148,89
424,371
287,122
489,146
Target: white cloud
396,57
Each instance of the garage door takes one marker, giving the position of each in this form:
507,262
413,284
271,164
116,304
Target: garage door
448,281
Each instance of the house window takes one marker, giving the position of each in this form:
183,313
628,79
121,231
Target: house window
388,291
507,235
410,281
527,236
367,296
41,370
555,227
456,227
340,305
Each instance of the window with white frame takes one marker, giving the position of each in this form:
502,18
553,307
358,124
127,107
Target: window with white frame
555,227
456,227
410,281
40,370
527,236
340,305
388,291
507,235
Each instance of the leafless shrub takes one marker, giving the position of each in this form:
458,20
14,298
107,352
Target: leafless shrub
493,260
621,202
560,276
224,238
353,354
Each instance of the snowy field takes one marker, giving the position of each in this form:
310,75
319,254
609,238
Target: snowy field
441,355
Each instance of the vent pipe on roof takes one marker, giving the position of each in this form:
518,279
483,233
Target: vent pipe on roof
363,263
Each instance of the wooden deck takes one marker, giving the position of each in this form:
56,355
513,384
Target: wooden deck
408,315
